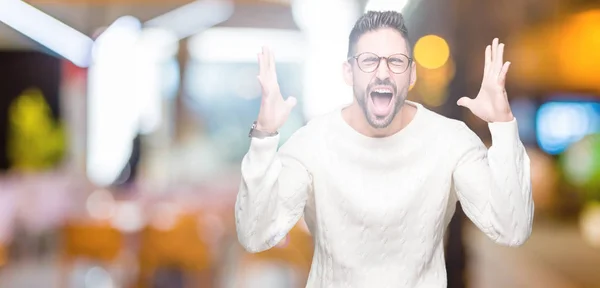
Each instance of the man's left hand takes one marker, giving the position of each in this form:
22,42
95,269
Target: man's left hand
491,103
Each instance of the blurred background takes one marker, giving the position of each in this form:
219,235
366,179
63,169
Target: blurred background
123,124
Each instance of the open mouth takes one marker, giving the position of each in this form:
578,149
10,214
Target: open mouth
381,99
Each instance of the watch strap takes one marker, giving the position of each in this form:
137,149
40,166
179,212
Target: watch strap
255,133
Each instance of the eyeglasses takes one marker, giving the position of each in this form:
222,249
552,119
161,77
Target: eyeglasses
369,62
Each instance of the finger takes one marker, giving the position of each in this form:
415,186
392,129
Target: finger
494,48
260,64
261,69
499,57
488,59
260,81
464,102
291,102
503,71
272,62
261,74
263,90
265,59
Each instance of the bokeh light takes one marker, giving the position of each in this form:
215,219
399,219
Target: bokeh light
101,205
386,5
579,60
559,55
561,123
544,179
432,84
581,164
590,224
431,51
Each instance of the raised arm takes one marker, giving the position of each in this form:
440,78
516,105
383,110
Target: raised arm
494,186
272,194
274,185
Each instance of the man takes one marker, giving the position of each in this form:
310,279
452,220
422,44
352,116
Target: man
378,181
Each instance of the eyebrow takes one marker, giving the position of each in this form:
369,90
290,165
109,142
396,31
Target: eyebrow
395,53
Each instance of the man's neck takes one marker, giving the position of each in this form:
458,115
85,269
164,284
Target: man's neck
355,117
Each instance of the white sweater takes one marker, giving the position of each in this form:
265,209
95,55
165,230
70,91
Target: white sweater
377,208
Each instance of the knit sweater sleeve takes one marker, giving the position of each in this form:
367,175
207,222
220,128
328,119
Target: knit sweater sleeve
494,186
273,191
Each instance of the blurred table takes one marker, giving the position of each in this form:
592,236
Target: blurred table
555,256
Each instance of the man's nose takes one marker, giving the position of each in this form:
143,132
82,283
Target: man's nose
383,71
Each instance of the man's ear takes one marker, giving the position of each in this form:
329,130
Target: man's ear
347,73
413,73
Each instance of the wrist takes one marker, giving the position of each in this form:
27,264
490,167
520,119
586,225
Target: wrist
264,128
504,117
260,132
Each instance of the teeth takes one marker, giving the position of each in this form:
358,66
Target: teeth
383,91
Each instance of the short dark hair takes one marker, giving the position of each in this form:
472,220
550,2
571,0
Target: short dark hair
375,20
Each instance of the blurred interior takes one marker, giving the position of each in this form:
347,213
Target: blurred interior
124,123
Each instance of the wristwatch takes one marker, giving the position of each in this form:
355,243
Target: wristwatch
260,134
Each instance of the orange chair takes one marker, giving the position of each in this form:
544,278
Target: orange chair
294,251
3,256
178,246
94,240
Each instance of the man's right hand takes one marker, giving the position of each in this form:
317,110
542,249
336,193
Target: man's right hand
274,110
